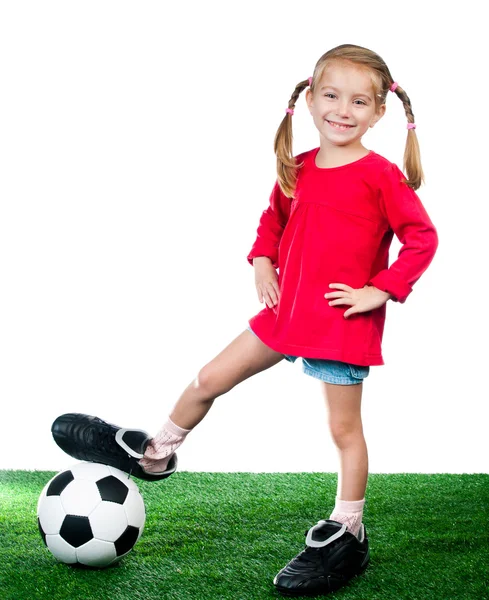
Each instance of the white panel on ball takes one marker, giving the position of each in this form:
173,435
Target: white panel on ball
61,549
53,514
96,553
135,511
80,499
108,521
90,471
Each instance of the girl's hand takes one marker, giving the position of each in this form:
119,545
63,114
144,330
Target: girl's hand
360,300
266,281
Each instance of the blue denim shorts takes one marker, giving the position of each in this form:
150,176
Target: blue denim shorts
331,371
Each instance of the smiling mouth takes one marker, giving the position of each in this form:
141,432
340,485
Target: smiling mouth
339,125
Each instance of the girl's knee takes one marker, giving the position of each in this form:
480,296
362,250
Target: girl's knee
209,383
345,434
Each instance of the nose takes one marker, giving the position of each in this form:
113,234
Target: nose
343,109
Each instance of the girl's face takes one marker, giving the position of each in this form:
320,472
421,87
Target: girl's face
345,96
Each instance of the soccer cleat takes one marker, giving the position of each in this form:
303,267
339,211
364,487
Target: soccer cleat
332,556
89,438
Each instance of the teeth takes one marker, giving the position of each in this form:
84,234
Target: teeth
339,126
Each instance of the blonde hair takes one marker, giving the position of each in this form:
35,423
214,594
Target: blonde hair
381,81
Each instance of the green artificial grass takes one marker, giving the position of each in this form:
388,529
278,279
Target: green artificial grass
225,536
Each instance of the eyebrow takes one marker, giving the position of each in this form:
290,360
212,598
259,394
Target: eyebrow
336,90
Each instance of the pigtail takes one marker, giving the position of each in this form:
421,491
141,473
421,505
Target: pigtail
412,157
382,82
282,146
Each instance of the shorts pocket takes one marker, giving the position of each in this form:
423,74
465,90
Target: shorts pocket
358,371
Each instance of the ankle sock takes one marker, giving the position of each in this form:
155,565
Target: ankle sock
162,447
349,512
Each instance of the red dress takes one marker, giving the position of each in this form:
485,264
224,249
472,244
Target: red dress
338,229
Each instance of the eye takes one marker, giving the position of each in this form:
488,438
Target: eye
361,102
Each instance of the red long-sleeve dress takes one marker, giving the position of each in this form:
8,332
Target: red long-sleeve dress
338,229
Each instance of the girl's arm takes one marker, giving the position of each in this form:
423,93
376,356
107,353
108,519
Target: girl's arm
272,224
410,222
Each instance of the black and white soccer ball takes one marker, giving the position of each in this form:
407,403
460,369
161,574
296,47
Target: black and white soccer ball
90,514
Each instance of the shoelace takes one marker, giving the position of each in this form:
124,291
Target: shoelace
103,439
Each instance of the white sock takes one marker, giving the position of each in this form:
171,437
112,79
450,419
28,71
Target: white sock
162,447
350,513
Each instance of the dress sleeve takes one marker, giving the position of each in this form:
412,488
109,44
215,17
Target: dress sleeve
271,226
410,222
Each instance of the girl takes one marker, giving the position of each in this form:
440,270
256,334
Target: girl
332,216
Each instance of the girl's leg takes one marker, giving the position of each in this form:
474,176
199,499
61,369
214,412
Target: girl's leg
343,404
245,356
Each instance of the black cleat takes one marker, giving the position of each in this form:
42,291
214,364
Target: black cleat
332,557
91,439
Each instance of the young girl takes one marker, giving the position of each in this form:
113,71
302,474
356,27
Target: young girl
332,216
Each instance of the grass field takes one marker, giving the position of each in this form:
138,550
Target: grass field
224,536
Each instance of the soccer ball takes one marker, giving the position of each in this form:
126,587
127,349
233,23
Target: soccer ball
90,514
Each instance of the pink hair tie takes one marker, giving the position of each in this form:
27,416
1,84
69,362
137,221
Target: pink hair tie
310,81
411,126
393,86
289,110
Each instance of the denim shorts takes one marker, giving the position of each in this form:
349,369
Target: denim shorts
331,371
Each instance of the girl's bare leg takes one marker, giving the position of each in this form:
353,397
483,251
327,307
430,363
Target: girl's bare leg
345,422
245,356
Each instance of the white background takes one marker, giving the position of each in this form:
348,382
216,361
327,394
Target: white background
136,154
